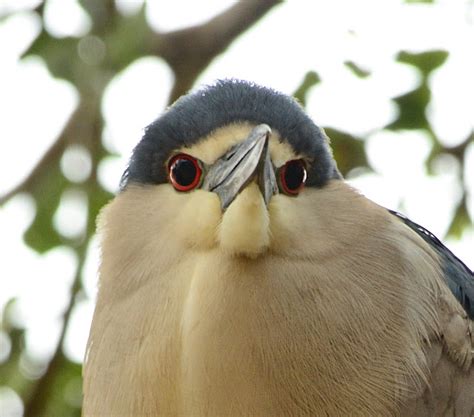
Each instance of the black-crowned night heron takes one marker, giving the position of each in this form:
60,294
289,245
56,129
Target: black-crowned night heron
241,276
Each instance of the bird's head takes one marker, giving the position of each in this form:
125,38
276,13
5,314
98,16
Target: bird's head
227,166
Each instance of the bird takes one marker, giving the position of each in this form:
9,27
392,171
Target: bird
241,275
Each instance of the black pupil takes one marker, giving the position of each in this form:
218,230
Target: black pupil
184,172
294,175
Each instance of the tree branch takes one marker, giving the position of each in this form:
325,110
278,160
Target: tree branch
85,127
188,52
37,402
191,50
75,131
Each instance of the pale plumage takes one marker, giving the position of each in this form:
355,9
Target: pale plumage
320,304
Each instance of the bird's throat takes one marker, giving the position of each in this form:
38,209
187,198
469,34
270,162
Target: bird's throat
245,226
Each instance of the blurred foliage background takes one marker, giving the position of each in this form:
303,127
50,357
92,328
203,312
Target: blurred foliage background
90,62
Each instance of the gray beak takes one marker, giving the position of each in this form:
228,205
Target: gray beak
240,165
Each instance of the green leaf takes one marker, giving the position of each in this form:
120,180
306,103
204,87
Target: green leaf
123,49
10,374
98,198
419,1
412,105
356,69
411,110
349,151
426,62
310,80
60,55
65,390
41,235
461,220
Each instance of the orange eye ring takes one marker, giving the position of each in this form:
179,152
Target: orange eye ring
184,172
292,176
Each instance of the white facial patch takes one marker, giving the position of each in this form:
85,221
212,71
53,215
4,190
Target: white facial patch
244,227
216,144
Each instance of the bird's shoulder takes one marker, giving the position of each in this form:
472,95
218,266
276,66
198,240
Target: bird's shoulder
458,276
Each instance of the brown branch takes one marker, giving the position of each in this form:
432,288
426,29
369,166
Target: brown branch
188,51
73,132
52,154
37,402
191,50
85,126
459,150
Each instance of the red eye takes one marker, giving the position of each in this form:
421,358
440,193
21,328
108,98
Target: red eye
184,172
293,176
